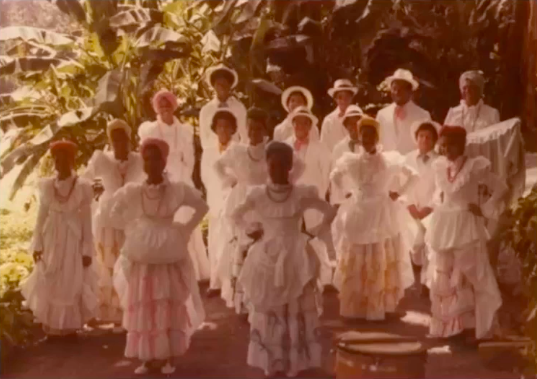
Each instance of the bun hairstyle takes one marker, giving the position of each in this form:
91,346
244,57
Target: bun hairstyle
223,114
281,149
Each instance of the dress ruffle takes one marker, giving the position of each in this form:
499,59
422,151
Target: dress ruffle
372,278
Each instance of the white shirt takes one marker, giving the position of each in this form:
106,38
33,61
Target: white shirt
207,136
284,130
422,192
180,139
472,118
337,194
395,133
332,130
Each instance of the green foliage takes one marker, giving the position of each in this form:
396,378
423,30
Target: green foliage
522,237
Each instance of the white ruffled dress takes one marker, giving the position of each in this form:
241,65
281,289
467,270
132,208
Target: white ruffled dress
154,276
243,166
374,267
109,236
279,276
464,292
60,291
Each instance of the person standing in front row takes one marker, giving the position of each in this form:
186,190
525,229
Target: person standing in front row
292,98
472,113
180,166
224,126
374,267
332,129
115,169
397,118
61,290
154,276
420,196
222,80
463,289
280,270
317,162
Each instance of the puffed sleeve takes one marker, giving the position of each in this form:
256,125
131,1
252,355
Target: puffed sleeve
192,199
340,169
144,130
92,170
123,204
42,191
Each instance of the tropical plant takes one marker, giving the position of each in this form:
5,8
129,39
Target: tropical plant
71,85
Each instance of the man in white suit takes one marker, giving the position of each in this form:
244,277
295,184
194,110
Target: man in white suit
396,119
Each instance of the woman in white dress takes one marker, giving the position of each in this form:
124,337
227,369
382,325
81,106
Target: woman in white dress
239,167
464,292
472,113
281,269
61,291
293,98
224,125
154,276
180,139
115,169
374,267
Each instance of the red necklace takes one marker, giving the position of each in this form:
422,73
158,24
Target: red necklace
451,178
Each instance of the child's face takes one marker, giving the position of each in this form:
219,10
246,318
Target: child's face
165,108
278,169
302,126
343,99
296,100
451,148
426,140
224,130
63,162
351,124
256,131
154,165
369,138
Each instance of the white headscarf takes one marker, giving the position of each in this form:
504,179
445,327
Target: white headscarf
475,77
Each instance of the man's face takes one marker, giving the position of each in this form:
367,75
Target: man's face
222,86
401,92
343,99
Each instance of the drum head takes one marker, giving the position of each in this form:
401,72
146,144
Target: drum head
378,343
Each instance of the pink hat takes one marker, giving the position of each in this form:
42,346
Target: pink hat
159,144
164,93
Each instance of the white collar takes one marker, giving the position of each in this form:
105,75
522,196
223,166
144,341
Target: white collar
478,105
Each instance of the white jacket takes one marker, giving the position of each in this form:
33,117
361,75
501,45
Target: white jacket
472,118
332,130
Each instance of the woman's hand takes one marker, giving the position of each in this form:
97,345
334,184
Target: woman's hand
394,195
475,209
37,256
86,261
256,235
414,212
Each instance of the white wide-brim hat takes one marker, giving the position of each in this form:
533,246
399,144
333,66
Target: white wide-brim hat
415,126
405,75
221,67
304,112
341,85
289,91
352,111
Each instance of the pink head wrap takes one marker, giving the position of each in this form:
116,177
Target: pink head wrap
164,93
159,144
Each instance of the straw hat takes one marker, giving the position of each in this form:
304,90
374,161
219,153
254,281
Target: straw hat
305,112
352,111
342,85
405,75
221,67
289,91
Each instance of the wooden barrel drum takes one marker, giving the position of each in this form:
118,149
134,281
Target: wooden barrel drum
379,355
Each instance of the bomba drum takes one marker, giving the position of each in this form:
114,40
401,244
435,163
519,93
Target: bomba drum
379,355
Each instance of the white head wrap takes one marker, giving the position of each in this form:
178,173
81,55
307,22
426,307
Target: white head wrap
118,124
475,77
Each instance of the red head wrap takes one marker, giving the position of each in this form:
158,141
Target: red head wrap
69,147
159,144
455,133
